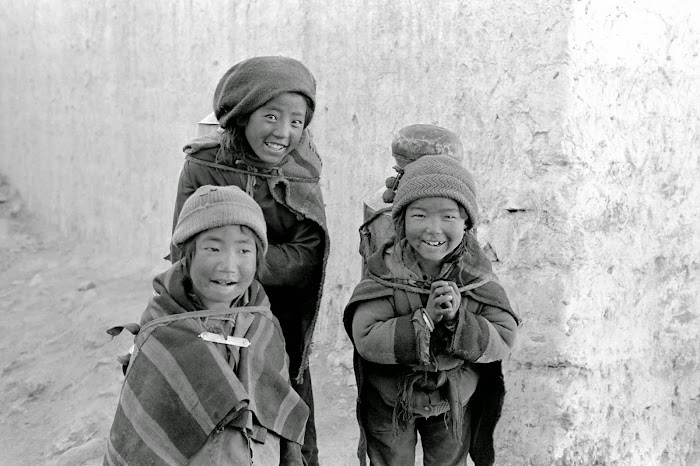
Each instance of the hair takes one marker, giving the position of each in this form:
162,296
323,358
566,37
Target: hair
233,139
189,248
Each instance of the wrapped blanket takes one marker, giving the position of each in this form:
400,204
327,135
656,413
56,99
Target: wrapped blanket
179,388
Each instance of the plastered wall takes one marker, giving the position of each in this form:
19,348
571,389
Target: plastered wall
632,133
580,121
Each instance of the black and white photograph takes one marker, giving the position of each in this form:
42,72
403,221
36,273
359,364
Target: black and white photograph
391,233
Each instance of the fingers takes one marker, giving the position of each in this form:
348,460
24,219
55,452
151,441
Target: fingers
454,287
443,291
444,300
457,297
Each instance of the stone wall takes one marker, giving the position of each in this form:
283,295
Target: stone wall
580,121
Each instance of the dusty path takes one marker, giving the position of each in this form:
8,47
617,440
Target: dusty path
59,379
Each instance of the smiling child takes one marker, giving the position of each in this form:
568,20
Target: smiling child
430,324
264,106
208,381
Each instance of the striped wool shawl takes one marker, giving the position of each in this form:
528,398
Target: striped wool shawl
180,388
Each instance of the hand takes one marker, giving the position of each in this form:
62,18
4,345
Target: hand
444,301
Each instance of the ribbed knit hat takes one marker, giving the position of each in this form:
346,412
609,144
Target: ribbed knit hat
437,176
249,84
215,206
414,141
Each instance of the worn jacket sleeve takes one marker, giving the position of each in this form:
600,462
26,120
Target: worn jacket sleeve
294,263
381,337
485,334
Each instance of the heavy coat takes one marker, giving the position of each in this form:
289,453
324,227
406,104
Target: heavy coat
430,373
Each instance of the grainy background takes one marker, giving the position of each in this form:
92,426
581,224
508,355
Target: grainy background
581,120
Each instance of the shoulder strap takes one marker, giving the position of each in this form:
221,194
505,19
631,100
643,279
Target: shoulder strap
195,314
219,166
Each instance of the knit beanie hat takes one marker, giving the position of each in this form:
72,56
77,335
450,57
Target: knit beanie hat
414,141
250,83
215,206
437,176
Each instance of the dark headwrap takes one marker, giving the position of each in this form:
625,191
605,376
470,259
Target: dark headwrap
250,83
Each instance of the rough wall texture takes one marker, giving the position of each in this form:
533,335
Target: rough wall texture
632,136
580,121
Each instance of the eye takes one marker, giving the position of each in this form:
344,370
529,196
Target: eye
246,251
211,249
297,123
271,117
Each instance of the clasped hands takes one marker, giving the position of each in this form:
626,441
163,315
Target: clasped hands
444,301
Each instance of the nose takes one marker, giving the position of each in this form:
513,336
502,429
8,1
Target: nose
433,224
282,129
228,263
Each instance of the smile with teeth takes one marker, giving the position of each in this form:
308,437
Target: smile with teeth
434,244
274,146
223,282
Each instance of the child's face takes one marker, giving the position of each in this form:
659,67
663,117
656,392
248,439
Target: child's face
275,129
434,228
223,266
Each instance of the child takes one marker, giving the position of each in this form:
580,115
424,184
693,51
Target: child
430,324
208,383
263,106
409,144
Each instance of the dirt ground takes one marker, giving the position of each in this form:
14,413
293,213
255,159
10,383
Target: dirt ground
60,380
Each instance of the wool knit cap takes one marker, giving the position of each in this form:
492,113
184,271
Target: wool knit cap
215,206
437,176
414,141
249,84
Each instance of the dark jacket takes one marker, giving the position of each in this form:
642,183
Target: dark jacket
292,203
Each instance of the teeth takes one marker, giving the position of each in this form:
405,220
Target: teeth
434,243
223,283
274,146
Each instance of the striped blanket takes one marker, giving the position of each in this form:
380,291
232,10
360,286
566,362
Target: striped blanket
179,388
